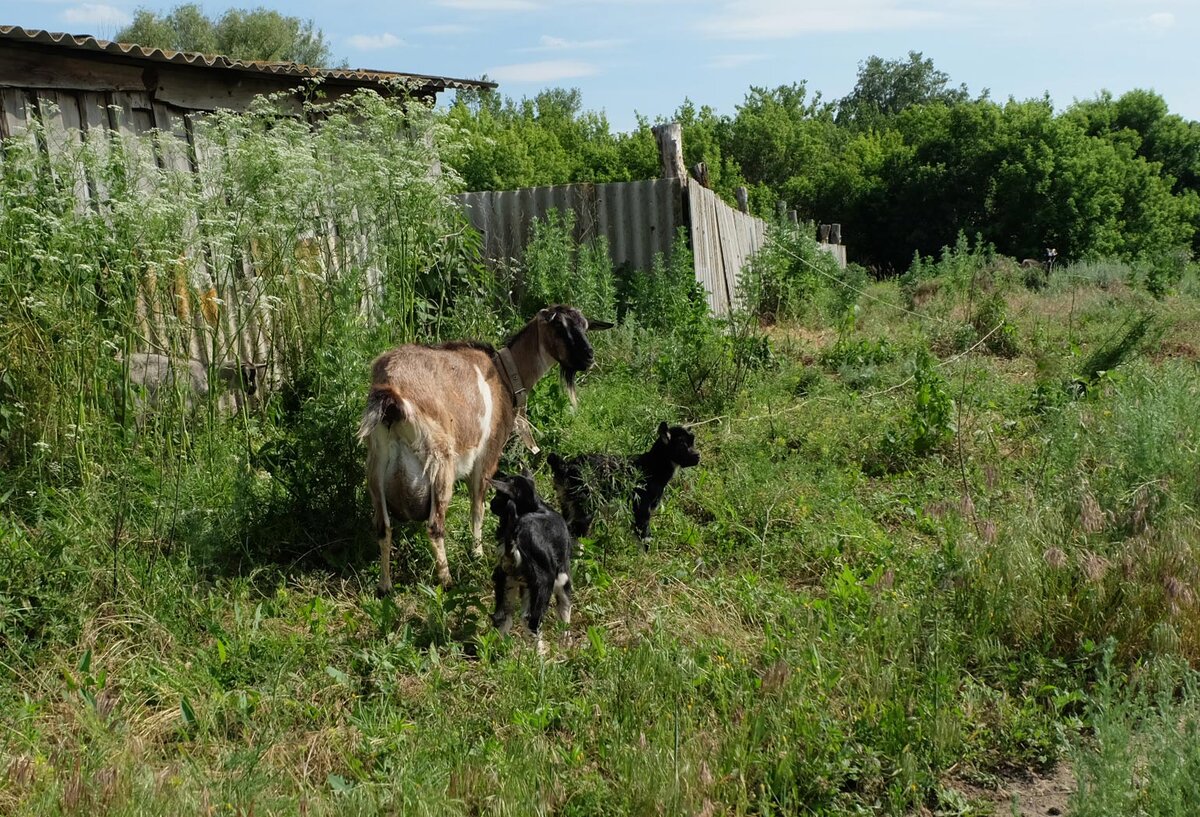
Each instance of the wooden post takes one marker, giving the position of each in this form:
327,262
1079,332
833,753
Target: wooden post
835,234
670,150
823,233
782,207
794,218
743,199
700,174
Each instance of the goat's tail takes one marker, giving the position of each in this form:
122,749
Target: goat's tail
384,405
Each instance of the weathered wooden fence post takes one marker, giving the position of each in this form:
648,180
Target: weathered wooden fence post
781,207
835,234
670,150
794,219
700,174
743,199
823,233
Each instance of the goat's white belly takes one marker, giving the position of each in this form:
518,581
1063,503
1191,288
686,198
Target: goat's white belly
403,472
466,462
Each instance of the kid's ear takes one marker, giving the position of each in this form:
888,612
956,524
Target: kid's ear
596,326
664,432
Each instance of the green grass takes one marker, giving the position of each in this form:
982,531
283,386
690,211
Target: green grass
875,585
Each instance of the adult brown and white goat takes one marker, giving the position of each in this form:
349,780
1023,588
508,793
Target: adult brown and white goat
443,413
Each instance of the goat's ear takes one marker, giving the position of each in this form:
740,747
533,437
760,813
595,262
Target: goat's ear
547,314
596,326
664,432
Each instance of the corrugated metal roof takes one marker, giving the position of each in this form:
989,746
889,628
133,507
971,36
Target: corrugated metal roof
84,42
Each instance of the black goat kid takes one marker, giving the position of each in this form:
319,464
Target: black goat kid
535,555
644,478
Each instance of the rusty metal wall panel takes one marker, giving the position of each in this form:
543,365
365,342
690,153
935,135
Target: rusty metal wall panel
638,219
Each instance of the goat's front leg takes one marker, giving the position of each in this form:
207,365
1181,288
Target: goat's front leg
506,589
476,487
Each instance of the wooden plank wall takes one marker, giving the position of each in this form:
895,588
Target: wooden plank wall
183,311
723,240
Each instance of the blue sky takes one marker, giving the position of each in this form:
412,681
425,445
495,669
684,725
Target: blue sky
646,56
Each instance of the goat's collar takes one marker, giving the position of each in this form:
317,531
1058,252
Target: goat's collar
520,395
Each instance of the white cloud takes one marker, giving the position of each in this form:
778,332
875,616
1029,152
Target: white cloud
548,43
543,71
734,60
781,19
447,28
489,5
95,14
1161,20
374,42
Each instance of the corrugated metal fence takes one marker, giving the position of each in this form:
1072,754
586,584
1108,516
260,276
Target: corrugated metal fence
639,219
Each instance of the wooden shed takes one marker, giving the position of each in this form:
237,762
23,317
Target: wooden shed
72,88
83,73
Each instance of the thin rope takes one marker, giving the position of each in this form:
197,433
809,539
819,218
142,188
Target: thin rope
866,295
871,396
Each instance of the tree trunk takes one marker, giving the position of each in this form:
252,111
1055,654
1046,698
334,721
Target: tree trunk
670,150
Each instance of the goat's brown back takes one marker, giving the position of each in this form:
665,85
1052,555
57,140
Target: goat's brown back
443,386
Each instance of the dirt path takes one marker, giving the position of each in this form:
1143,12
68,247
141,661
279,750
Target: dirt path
1034,796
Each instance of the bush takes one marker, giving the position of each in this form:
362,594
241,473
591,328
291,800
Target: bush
703,362
791,278
955,272
990,321
928,424
559,271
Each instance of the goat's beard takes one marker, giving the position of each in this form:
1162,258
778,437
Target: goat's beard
567,375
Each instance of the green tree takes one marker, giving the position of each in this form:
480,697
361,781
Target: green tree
886,87
783,141
244,34
547,139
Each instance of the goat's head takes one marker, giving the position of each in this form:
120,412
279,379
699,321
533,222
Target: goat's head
563,331
517,491
244,376
680,445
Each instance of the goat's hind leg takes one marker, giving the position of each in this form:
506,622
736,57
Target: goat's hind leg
539,600
383,532
562,597
441,488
